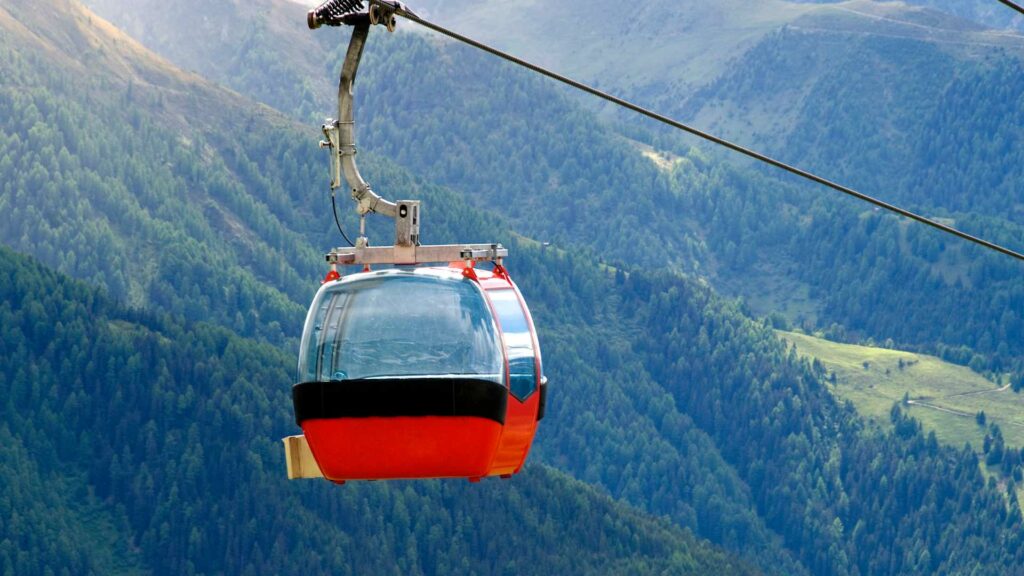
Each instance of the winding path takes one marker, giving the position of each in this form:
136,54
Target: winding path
956,412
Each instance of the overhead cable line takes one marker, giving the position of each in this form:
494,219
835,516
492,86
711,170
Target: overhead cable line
1013,5
400,10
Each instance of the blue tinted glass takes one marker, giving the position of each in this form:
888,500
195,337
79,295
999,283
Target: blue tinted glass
518,342
400,325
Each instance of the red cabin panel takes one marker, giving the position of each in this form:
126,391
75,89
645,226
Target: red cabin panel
402,447
383,390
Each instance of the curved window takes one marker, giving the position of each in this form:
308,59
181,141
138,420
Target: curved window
400,326
518,341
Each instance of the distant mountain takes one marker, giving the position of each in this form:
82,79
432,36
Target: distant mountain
120,169
890,100
905,112
252,29
617,44
991,14
666,47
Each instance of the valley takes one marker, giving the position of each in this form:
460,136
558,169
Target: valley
167,212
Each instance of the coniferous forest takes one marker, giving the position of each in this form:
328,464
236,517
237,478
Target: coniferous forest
163,214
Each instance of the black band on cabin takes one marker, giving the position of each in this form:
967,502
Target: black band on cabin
396,397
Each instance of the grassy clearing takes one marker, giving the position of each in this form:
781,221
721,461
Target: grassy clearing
944,397
766,288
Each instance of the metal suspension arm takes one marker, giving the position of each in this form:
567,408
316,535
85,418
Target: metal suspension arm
341,137
341,142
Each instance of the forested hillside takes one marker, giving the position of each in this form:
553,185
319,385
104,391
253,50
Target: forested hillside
526,151
117,170
163,421
725,506
952,154
846,501
163,437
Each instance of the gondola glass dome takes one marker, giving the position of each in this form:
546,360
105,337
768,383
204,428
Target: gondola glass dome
419,373
400,324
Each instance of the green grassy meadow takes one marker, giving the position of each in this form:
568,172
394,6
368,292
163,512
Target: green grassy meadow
944,397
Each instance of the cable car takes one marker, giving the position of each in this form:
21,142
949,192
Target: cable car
419,373
411,371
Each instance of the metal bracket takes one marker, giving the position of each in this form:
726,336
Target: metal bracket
333,143
299,459
412,255
407,223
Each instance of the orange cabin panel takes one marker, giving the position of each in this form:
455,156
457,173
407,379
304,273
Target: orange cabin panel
403,447
419,373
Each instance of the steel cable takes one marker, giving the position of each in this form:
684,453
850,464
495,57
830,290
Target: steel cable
405,13
1013,5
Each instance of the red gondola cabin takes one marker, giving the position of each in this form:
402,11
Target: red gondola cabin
419,373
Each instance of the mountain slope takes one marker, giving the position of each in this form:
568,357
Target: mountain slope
250,28
819,479
541,153
53,521
898,107
928,122
905,122
109,147
269,161
667,398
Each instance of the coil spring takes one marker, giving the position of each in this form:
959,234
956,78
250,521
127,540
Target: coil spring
330,13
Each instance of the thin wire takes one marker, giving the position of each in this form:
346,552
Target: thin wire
1013,5
705,135
334,208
